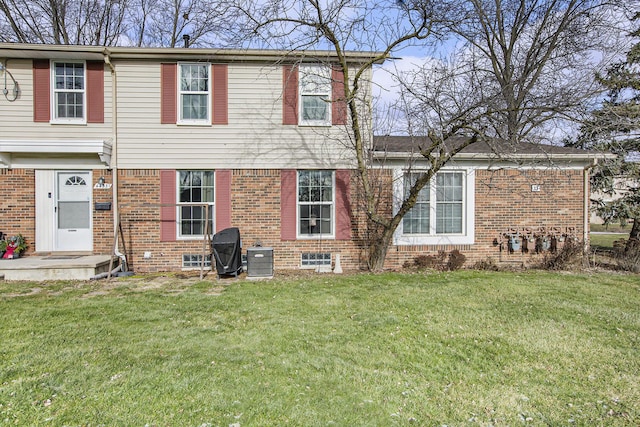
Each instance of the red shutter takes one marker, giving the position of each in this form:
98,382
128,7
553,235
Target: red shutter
343,205
223,199
289,95
95,92
41,90
288,202
220,95
167,213
168,92
339,104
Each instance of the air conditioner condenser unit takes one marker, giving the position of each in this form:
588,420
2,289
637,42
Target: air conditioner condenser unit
260,262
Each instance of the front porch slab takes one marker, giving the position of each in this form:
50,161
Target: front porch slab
54,267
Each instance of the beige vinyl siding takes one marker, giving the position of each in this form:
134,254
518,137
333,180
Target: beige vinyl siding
254,137
16,118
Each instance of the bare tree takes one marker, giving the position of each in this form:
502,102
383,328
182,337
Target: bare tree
88,22
506,84
535,60
165,23
381,27
161,23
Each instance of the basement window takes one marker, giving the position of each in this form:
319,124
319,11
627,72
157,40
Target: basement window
194,260
314,259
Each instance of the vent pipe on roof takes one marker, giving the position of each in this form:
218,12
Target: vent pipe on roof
186,39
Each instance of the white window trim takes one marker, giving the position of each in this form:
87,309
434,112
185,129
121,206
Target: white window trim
467,237
192,122
52,95
318,123
333,210
212,207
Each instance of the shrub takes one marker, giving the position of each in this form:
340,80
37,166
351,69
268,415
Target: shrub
456,260
570,254
487,265
441,262
422,262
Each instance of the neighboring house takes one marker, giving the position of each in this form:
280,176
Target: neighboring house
621,186
159,138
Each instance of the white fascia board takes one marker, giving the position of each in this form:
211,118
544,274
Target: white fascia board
30,51
512,160
586,157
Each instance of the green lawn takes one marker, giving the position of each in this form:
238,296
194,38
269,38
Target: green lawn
463,348
605,241
611,228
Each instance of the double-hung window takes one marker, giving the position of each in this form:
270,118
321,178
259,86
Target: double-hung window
194,93
418,219
315,95
195,194
316,210
449,202
69,96
443,212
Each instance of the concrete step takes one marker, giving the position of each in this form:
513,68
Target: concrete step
54,267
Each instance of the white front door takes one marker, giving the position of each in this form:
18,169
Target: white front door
73,211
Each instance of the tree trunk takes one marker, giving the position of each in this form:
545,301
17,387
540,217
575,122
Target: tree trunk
634,235
378,250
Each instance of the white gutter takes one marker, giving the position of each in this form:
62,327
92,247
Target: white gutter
591,157
587,193
28,51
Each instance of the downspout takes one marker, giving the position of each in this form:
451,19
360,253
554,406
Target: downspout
587,198
114,149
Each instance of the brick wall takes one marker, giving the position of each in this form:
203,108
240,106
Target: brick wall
17,206
139,208
504,204
102,219
255,211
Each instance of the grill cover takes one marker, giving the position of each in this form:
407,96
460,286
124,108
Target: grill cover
227,251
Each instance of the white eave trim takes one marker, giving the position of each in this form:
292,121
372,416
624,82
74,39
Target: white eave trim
30,51
588,158
100,148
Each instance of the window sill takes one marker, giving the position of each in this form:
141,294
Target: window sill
324,268
315,124
197,124
191,238
315,237
441,239
68,122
